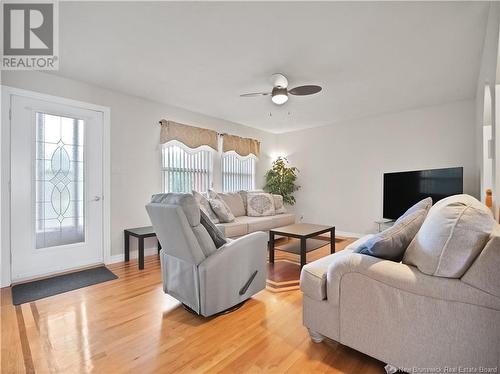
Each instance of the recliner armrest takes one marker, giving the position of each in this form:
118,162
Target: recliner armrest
238,251
403,278
226,272
245,241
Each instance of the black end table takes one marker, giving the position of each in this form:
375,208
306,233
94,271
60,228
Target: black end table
302,231
140,233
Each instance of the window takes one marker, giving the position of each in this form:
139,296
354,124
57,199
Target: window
59,179
238,173
185,169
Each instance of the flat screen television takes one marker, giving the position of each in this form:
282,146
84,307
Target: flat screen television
403,189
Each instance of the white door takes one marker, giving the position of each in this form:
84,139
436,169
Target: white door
56,187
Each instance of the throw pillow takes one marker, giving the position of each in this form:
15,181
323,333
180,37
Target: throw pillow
222,210
452,236
234,201
279,207
391,244
260,204
205,206
243,195
216,235
212,194
422,204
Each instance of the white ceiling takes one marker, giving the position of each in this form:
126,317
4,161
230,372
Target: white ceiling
370,58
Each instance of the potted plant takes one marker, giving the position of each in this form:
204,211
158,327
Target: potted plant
280,180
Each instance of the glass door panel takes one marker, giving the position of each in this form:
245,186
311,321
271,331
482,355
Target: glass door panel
59,180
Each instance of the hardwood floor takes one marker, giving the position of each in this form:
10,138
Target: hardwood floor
284,274
130,325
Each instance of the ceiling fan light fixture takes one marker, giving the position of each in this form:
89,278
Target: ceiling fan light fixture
279,96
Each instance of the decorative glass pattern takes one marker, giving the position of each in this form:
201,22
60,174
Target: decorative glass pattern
59,180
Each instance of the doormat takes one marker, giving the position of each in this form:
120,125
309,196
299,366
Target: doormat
31,291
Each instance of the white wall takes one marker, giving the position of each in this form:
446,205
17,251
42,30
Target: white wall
341,166
135,152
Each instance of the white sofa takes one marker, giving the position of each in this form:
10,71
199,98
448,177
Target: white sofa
398,314
244,224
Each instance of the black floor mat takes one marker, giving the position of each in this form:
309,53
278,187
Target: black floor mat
31,291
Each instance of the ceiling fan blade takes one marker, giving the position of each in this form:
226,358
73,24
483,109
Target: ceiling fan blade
305,90
255,94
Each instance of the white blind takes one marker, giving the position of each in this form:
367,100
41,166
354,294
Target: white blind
238,173
185,169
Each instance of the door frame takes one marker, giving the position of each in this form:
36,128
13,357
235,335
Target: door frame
6,92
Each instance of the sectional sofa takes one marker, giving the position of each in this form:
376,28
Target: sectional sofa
439,307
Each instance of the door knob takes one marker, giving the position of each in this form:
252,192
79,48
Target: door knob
97,198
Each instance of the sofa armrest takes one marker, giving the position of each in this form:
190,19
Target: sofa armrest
313,275
404,278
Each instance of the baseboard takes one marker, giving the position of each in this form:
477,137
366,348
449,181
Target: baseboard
133,254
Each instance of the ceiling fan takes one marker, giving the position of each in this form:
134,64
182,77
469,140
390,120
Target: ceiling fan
280,91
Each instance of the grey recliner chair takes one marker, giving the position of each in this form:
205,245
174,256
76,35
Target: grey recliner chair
205,279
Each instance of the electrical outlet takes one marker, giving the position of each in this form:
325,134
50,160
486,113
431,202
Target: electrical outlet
301,217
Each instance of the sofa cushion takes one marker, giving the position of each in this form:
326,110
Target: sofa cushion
453,234
217,236
260,223
484,272
234,229
391,244
205,206
186,201
279,206
256,223
235,203
221,210
284,219
260,204
244,224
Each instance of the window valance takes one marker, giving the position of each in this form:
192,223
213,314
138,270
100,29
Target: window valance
242,146
191,136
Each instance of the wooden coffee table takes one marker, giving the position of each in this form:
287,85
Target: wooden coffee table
302,231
